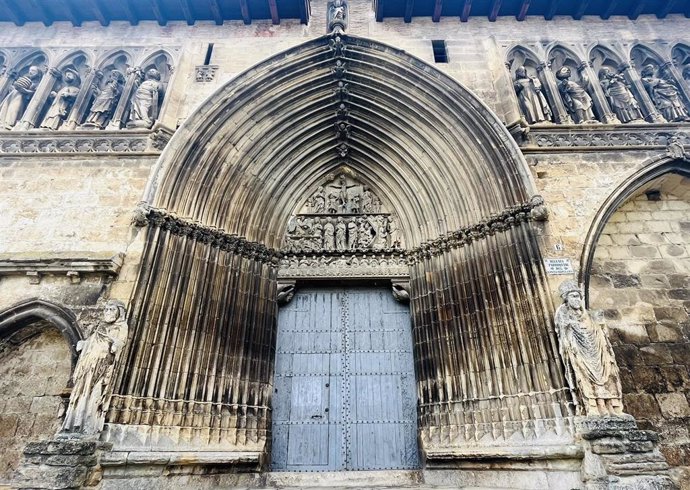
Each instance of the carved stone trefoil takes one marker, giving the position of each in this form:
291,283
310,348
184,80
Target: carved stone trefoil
590,364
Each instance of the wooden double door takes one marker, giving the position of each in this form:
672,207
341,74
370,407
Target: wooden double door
345,396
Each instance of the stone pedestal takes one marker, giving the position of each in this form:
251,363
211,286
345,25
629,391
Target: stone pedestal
620,456
60,464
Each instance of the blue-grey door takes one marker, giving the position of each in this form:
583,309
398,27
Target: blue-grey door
344,394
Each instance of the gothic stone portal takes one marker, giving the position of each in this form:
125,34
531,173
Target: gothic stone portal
344,386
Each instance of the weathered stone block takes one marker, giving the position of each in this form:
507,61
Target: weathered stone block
673,405
641,406
664,333
656,354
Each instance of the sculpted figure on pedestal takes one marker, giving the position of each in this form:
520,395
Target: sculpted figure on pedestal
337,16
62,100
23,89
664,94
533,104
587,354
94,371
146,101
619,96
575,97
106,100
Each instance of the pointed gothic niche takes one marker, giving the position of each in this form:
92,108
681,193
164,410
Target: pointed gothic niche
343,214
681,58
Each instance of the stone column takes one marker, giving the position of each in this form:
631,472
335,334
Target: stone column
133,74
593,87
550,87
35,107
81,104
6,81
651,114
677,76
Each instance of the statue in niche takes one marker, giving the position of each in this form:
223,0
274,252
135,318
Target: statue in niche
587,354
340,235
366,200
575,97
318,201
329,235
337,16
532,101
620,98
146,101
62,100
664,94
94,371
105,101
332,203
352,234
15,103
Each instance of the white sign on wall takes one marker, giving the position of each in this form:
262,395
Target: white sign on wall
557,267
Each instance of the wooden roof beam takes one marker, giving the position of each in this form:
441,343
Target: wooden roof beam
409,5
581,9
637,9
666,9
187,12
246,17
158,13
127,7
609,10
523,10
273,6
466,9
98,12
438,7
495,8
72,14
551,11
43,15
13,13
379,10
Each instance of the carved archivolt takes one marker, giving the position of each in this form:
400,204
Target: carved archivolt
605,84
82,89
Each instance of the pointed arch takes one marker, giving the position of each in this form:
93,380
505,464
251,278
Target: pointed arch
27,312
654,169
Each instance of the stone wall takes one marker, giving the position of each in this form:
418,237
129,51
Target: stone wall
33,378
641,280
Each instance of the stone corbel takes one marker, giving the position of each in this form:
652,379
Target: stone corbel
286,291
590,82
34,277
401,292
33,110
74,277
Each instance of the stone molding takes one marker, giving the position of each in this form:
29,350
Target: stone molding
597,137
56,143
159,218
74,268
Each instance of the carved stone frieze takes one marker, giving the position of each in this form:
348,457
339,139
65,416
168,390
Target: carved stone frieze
333,264
84,142
577,138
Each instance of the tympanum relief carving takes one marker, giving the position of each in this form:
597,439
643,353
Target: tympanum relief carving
342,215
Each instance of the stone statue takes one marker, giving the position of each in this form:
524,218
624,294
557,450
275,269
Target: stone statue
337,16
332,203
106,101
575,97
329,235
620,97
318,201
664,94
62,100
93,373
146,101
533,104
366,200
352,234
340,234
23,89
364,236
587,354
